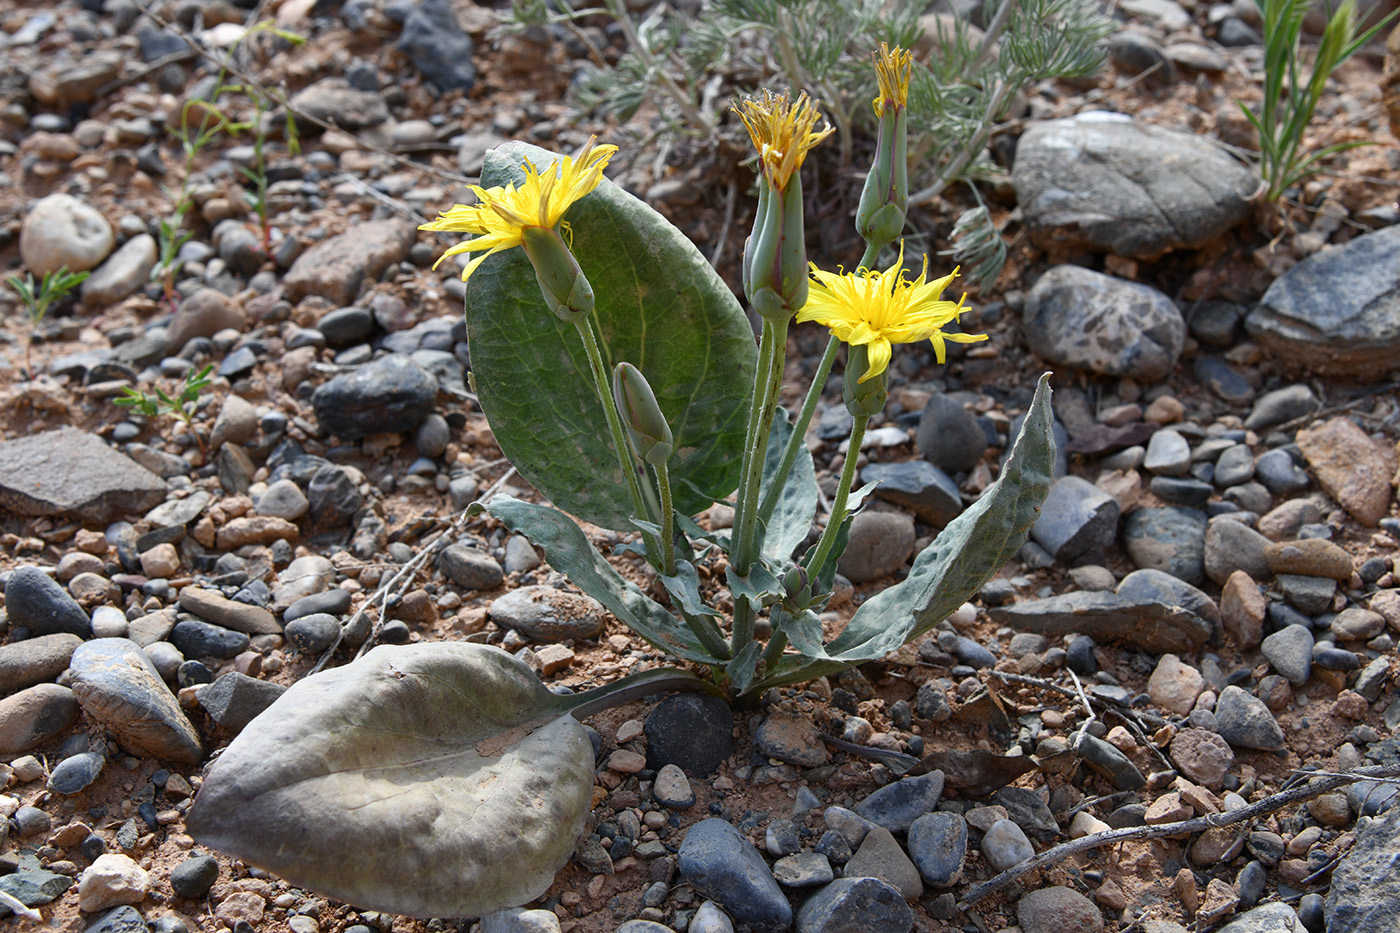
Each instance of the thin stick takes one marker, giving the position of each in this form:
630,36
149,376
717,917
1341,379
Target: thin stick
20,908
729,198
1183,827
1083,730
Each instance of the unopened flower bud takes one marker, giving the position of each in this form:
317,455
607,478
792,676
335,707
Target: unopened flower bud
562,283
797,588
646,425
775,256
884,201
863,398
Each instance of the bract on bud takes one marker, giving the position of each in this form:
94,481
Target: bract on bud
646,425
562,283
797,588
863,394
775,257
884,201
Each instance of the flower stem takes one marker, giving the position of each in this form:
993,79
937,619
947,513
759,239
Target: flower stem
668,521
620,445
843,492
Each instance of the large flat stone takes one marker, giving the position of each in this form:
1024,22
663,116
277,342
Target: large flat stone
1148,625
69,471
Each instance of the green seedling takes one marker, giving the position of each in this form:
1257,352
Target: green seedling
37,299
160,402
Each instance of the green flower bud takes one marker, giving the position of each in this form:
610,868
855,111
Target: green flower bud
651,435
562,283
863,398
798,592
775,255
884,201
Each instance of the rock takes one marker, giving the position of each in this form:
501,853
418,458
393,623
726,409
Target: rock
520,920
849,904
1171,539
1174,686
235,699
228,613
192,878
879,544
1312,557
345,326
1058,910
949,436
314,633
672,789
35,601
1365,894
111,880
36,660
1245,722
1151,626
123,274
1312,595
1242,610
435,43
1235,465
335,101
1348,465
918,486
1202,756
119,687
1274,917
336,267
1276,407
879,856
333,498
61,230
1168,454
1090,321
1076,519
791,737
69,471
1288,519
1224,380
259,529
470,568
545,614
1150,585
1111,763
691,731
721,864
389,394
803,870
938,846
76,772
1232,547
34,716
896,806
33,887
237,422
1280,473
1005,845
203,314
1353,624
1193,494
1103,182
1307,323
1289,650
283,499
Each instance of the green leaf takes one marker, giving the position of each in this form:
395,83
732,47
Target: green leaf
963,557
390,783
659,306
797,504
567,550
684,589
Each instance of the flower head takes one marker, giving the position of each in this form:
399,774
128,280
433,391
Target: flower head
783,131
540,201
892,71
876,309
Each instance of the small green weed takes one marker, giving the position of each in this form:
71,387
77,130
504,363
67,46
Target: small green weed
38,298
182,409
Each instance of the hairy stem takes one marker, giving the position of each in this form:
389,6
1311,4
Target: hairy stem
843,492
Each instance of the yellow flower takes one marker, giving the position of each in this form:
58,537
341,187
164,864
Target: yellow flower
541,201
783,131
892,69
877,309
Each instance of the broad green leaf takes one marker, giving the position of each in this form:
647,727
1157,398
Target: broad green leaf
438,780
684,589
659,306
568,550
962,558
797,504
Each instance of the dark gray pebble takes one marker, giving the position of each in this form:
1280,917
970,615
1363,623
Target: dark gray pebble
333,601
896,806
938,846
76,772
35,601
193,877
850,904
314,633
693,732
202,640
722,865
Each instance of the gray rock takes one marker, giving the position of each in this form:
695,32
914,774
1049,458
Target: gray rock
389,394
1025,808
332,497
1076,518
1178,490
1170,539
432,436
336,267
35,601
35,715
855,905
949,436
228,613
1312,595
879,856
1276,407
1109,617
314,633
345,326
722,865
1090,321
33,887
283,499
76,772
896,806
1369,798
918,486
201,640
1215,323
1307,322
803,870
1005,845
69,471
1234,466
434,41
334,100
1100,181
1290,652
203,314
543,613
1057,910
1274,917
790,736
123,274
879,544
333,601
1245,722
35,660
938,846
193,877
61,230
1111,763
1281,474
123,919
692,731
1155,586
119,687
672,789
521,556
1231,546
470,568
235,699
1168,454
1223,379
174,513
